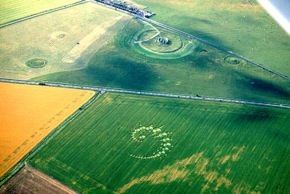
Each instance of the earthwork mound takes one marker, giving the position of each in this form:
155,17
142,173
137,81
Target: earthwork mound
36,63
162,44
60,36
232,60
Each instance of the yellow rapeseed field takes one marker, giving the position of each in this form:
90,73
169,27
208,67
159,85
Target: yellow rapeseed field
29,113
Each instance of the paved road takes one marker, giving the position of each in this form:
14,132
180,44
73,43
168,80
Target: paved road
61,85
157,33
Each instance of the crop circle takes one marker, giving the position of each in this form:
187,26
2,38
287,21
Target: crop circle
158,140
36,63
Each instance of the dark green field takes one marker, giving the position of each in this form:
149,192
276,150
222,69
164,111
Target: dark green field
203,71
213,147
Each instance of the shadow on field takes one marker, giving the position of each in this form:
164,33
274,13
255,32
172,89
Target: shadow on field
255,115
208,36
283,137
264,87
184,20
196,20
122,73
203,60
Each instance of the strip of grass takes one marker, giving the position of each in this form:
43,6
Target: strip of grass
14,9
216,147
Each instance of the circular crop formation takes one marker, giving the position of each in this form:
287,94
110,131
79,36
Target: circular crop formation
162,44
232,60
36,63
155,135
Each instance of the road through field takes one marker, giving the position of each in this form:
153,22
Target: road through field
147,93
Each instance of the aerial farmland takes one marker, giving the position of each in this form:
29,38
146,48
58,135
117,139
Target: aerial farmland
108,96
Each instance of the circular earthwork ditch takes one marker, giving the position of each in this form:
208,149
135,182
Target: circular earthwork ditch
232,60
165,45
36,63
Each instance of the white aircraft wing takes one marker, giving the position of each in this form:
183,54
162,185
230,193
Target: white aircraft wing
279,10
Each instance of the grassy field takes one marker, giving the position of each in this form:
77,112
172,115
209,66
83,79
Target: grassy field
199,70
238,25
11,10
62,41
199,146
29,114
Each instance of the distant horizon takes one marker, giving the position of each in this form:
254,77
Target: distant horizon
279,10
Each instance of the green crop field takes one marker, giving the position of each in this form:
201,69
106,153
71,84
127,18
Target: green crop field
138,144
193,68
62,41
241,26
14,9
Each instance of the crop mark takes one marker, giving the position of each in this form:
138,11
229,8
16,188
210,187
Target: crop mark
196,165
93,36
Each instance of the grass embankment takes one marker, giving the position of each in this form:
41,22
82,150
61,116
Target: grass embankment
214,147
29,114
